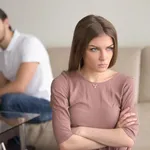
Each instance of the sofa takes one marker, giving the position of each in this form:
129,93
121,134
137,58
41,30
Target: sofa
131,61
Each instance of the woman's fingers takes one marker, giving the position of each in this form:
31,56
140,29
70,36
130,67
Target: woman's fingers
129,124
127,116
127,121
124,111
124,122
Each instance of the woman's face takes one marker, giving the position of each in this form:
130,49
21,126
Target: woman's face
99,53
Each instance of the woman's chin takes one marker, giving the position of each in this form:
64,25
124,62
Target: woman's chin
102,69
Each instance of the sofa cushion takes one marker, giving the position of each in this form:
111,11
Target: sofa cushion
128,62
41,136
144,91
142,141
59,58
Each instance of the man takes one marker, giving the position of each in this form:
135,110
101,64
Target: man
25,73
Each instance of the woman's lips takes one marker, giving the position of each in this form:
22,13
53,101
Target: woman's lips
102,65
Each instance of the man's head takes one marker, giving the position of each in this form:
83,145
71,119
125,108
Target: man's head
3,15
5,27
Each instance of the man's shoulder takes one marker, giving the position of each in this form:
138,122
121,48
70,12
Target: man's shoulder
30,43
24,39
29,39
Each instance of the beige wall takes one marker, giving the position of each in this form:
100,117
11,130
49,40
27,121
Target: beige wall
53,21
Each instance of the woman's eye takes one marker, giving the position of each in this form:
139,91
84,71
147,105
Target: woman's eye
93,49
110,48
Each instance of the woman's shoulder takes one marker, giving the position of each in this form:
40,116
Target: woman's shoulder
123,79
64,77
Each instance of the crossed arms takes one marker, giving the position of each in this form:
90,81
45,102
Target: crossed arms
84,138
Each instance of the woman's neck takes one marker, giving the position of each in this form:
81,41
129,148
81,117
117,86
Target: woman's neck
96,76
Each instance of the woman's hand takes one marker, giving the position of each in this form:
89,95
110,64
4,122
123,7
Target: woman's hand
77,130
126,118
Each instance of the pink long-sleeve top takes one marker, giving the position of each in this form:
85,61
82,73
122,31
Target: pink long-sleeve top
76,102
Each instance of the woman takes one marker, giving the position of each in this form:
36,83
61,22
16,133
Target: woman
93,106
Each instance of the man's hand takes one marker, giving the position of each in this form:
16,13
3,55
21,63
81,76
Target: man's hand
126,118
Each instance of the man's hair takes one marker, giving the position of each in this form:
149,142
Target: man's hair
86,29
3,15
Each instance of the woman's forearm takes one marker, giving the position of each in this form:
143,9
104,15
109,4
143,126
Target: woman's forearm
110,137
76,142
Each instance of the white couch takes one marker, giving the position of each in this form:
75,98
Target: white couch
131,61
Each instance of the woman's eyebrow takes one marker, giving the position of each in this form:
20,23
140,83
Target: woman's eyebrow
99,47
92,45
111,45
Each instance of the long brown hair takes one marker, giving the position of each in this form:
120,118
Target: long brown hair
86,29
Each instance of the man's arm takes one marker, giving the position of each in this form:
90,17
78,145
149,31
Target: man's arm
25,73
3,80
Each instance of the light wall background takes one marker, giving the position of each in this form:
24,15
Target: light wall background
53,21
